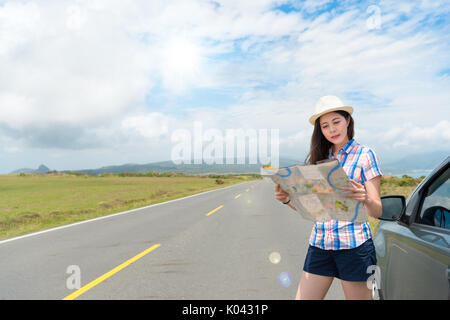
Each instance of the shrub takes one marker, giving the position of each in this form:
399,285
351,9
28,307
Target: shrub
73,173
406,181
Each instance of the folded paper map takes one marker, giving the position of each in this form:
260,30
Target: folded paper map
316,191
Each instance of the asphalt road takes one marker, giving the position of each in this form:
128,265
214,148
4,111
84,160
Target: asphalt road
181,249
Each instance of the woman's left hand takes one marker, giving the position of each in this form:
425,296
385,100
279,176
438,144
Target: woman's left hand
358,192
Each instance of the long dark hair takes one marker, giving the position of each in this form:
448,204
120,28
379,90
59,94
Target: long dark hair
320,146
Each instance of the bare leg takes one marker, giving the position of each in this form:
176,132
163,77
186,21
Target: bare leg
313,286
356,290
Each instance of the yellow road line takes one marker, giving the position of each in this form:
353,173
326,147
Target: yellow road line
92,284
211,212
237,196
395,245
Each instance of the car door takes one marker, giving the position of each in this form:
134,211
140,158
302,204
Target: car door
419,255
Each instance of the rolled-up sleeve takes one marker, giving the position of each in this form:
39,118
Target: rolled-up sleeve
371,165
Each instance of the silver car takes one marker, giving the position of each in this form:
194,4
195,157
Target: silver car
412,242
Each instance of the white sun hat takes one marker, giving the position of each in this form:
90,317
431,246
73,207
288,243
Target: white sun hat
327,104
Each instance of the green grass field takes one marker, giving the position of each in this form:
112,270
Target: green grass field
395,186
31,202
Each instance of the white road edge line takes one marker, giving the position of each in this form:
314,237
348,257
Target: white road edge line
112,215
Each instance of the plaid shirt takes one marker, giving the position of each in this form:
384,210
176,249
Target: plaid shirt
361,164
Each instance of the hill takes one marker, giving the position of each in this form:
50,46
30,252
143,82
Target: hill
42,169
416,164
165,166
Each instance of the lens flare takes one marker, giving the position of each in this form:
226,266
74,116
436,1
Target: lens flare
285,279
275,257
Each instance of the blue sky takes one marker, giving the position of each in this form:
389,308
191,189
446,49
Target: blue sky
91,83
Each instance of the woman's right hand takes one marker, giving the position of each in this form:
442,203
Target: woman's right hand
280,194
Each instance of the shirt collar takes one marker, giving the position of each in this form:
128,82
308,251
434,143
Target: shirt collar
347,148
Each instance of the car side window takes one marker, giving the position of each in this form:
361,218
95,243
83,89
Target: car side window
435,209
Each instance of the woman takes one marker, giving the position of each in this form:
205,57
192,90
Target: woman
340,249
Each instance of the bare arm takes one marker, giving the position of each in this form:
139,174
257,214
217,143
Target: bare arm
373,203
292,206
283,196
369,194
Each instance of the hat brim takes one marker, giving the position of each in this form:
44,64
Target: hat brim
314,117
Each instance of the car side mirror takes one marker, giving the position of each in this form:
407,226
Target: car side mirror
393,207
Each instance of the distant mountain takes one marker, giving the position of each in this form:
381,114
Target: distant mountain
25,170
416,164
42,169
165,166
413,165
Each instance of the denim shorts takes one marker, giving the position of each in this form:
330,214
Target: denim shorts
345,264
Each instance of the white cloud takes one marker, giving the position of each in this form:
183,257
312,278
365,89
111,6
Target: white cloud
418,137
12,149
300,141
84,61
56,75
18,24
89,67
152,126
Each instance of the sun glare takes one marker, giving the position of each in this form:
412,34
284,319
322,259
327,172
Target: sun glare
181,62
